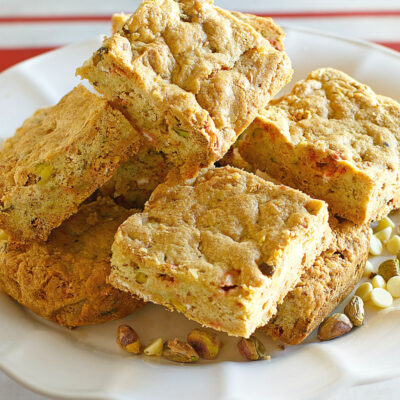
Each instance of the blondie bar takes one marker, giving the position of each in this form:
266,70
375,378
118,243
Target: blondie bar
224,248
57,159
336,140
190,76
65,279
323,285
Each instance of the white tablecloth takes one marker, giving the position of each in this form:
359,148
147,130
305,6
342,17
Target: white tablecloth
30,27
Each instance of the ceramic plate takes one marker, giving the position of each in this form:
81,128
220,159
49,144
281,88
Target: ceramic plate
86,363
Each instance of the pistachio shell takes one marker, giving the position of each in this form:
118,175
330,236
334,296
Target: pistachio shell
175,350
205,343
334,326
252,349
355,311
128,339
389,268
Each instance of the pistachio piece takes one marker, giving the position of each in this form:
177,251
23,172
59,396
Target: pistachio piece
43,171
205,343
155,348
178,305
355,311
252,349
140,277
181,132
3,236
334,326
128,339
389,268
175,350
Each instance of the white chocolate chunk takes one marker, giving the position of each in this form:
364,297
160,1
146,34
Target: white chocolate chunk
378,282
393,245
384,234
381,298
393,286
364,291
368,269
375,246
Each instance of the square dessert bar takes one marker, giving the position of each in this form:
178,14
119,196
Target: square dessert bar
324,285
335,139
190,76
65,279
57,159
224,249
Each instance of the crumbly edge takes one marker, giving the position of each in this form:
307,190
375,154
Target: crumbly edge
34,211
296,319
47,279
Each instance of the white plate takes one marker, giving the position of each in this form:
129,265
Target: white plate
86,363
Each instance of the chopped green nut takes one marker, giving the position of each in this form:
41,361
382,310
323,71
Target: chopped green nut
175,350
43,171
252,349
141,277
205,343
181,132
128,339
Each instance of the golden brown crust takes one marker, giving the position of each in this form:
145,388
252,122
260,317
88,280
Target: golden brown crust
324,285
263,25
64,280
335,139
57,159
200,73
227,247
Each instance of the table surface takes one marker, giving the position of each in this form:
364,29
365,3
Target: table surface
28,28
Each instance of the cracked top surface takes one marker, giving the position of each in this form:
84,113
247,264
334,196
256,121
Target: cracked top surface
58,158
341,117
205,51
200,73
224,226
64,279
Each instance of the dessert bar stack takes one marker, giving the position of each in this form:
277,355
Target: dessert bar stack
147,190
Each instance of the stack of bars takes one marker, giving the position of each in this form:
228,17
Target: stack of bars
148,192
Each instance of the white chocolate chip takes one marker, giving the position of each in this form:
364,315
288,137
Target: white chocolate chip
393,245
378,282
381,298
384,223
364,291
368,269
375,246
384,234
393,286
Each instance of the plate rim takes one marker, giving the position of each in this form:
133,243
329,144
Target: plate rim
61,394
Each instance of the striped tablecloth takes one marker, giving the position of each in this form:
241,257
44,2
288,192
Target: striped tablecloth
31,27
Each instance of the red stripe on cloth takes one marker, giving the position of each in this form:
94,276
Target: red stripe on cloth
55,18
333,14
392,45
309,14
9,57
